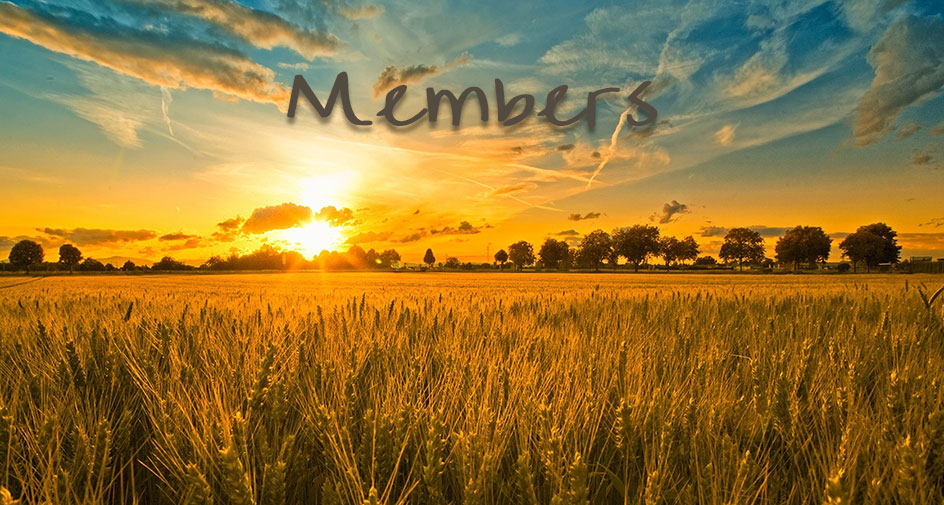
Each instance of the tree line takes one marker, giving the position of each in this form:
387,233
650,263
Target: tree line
870,246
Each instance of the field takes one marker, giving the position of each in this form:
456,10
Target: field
471,388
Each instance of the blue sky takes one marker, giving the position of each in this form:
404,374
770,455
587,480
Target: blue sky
133,120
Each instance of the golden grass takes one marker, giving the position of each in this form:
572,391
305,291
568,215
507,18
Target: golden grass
471,388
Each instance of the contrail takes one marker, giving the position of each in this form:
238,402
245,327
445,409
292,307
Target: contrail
612,150
166,99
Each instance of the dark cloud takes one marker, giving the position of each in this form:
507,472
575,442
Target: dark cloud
923,158
907,129
260,28
335,216
936,222
909,68
671,211
231,224
277,217
176,236
567,233
712,231
937,130
514,188
96,236
765,231
413,237
156,58
190,243
392,76
588,215
565,147
464,228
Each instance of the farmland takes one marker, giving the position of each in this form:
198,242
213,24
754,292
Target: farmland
355,388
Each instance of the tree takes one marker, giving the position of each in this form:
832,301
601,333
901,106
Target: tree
429,259
521,254
92,265
501,257
803,244
687,249
69,255
389,258
554,253
169,263
373,259
25,254
637,243
669,247
595,247
129,265
872,244
706,261
452,263
742,245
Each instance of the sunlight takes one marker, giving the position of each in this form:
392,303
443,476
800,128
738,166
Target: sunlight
312,238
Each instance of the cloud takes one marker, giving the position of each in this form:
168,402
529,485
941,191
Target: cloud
259,28
152,57
936,222
360,12
567,233
231,224
392,76
588,215
508,40
96,236
937,130
907,129
565,147
670,212
725,136
764,231
370,236
277,217
335,216
514,188
923,158
190,243
413,237
176,236
464,228
909,68
298,67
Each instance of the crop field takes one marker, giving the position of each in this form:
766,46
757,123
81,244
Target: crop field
368,388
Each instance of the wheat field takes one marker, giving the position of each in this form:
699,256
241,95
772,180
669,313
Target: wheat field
376,388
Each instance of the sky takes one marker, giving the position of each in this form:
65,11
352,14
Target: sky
146,128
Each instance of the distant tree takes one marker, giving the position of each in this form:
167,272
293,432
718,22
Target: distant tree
637,243
669,247
501,257
871,244
69,255
25,254
687,249
110,268
92,265
803,244
521,254
595,247
168,264
742,245
706,261
452,263
129,265
429,259
554,253
357,257
389,258
373,259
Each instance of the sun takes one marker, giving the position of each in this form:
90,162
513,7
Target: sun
312,238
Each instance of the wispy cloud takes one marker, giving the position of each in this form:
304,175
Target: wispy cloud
581,217
98,236
392,76
671,211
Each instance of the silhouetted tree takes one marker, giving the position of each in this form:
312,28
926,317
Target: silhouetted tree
521,254
595,247
389,258
169,264
501,257
25,254
92,265
706,261
429,258
872,244
129,265
69,255
687,249
669,247
637,243
452,263
803,244
373,259
554,253
742,245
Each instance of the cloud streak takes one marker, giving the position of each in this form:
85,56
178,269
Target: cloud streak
154,58
392,76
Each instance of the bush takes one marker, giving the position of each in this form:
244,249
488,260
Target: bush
843,268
